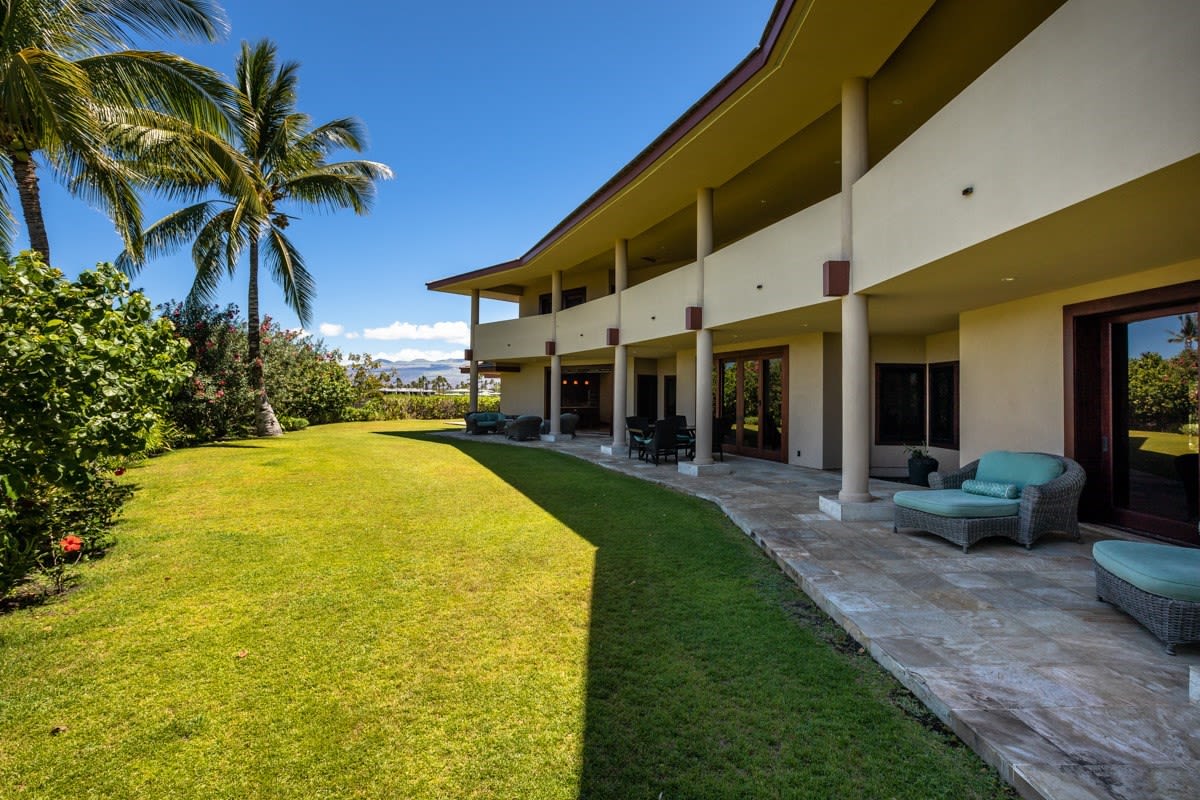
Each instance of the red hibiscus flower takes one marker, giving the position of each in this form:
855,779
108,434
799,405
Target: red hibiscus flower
71,544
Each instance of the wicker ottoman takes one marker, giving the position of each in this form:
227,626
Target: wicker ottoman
1156,584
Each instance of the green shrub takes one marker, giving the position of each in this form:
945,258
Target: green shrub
448,406
293,423
85,373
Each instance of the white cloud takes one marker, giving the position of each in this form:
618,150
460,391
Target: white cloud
451,332
413,354
351,335
330,329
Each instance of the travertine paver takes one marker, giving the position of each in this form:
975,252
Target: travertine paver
1068,697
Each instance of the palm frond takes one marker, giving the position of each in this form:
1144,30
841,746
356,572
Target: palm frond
163,82
287,267
346,184
168,234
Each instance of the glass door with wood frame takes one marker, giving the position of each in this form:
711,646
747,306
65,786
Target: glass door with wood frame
750,390
1153,420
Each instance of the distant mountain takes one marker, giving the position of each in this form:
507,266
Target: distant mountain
409,371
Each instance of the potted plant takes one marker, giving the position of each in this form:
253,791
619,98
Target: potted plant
920,464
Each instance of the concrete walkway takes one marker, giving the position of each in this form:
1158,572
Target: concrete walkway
1066,696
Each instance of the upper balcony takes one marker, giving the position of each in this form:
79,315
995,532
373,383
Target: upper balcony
583,327
655,309
1062,131
513,339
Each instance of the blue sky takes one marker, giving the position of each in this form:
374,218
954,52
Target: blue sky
498,119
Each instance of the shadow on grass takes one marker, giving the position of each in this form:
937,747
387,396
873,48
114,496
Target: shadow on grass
709,673
233,445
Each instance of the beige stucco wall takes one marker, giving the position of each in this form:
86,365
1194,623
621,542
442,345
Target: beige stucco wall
1103,92
684,371
585,327
654,309
512,338
524,392
776,269
1011,371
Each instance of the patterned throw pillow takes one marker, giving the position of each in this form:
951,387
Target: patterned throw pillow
1005,491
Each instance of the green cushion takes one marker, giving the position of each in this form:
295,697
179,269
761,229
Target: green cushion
1006,491
1019,469
1161,569
954,503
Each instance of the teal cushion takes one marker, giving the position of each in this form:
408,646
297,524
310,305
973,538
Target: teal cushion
953,503
1006,491
1161,569
1019,469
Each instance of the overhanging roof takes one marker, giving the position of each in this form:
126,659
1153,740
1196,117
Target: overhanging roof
767,135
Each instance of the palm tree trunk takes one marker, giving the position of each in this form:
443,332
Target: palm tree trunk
265,422
25,172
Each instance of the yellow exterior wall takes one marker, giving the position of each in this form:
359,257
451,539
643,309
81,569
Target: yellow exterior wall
524,392
1102,93
1011,371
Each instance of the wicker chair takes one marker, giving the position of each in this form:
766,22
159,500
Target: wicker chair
1046,507
523,428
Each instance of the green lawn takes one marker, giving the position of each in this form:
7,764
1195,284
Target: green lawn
372,611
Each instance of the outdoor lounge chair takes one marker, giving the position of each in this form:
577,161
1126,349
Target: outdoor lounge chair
1040,494
524,428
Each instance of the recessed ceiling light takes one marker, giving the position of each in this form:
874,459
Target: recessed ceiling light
897,102
1008,280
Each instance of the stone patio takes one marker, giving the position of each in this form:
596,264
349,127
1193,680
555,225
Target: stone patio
1066,696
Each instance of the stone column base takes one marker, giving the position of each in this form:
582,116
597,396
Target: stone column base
552,437
698,470
871,511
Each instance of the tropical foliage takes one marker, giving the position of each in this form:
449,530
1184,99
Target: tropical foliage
307,379
84,373
99,116
284,160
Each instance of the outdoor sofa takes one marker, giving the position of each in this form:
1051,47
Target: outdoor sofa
1017,495
486,422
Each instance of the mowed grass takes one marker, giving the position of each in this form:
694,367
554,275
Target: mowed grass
375,611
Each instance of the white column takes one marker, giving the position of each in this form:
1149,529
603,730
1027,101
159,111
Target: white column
474,361
856,334
704,342
620,355
556,359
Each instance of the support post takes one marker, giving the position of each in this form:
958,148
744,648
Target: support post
703,462
474,366
555,360
620,354
856,334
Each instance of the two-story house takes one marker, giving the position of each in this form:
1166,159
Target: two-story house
898,221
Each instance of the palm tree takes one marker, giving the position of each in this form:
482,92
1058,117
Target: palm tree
283,158
1187,333
68,81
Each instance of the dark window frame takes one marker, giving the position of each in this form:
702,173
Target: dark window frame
576,296
938,438
903,435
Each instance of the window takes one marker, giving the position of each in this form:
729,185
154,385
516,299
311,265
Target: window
916,403
899,403
943,405
571,298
